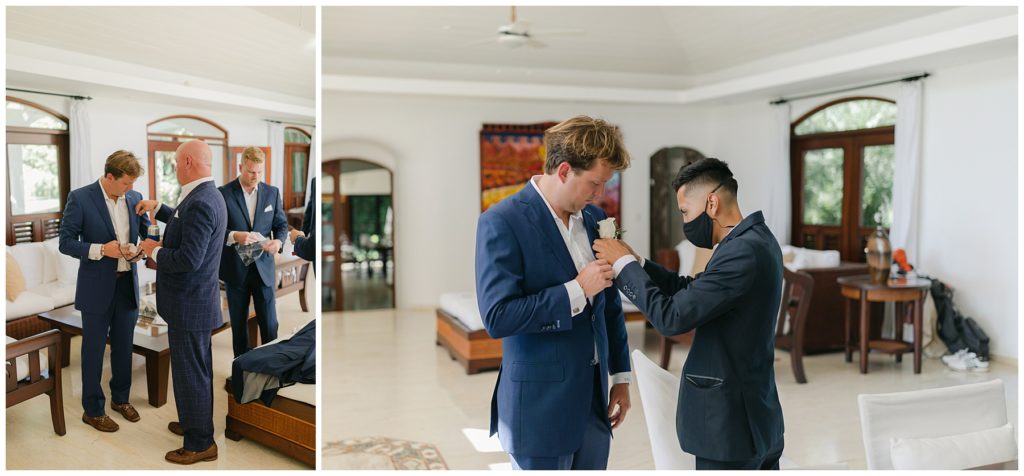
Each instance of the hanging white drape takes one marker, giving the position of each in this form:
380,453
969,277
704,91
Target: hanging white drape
80,144
275,138
906,177
777,213
312,166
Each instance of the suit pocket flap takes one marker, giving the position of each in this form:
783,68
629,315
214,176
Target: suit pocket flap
527,372
703,381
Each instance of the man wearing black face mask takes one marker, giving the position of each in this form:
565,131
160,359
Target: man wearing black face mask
728,414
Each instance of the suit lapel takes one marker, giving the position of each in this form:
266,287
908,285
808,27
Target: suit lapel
240,198
101,206
541,219
133,220
262,193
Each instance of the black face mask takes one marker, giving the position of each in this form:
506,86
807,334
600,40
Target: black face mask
698,230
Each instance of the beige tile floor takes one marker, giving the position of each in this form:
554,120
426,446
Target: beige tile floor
32,444
384,376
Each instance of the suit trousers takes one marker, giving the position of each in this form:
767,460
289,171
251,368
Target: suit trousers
592,455
264,304
192,378
119,323
767,462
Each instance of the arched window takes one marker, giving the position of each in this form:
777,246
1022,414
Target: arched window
842,170
165,135
38,172
296,166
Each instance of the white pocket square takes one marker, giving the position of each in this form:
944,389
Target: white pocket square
175,214
269,208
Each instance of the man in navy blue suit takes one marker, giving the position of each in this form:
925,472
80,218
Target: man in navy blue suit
728,413
305,239
541,291
100,230
188,294
253,207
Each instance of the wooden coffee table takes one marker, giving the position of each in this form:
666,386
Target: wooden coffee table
156,350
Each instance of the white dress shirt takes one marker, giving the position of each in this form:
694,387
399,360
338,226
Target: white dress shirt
578,244
185,190
118,210
250,205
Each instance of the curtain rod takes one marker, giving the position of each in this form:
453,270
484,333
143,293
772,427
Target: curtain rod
72,96
292,123
906,79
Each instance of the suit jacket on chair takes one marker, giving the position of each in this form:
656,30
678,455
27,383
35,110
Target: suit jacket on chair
728,406
270,222
87,221
542,398
188,292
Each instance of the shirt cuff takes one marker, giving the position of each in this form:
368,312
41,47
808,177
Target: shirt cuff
231,238
621,263
95,251
155,251
577,299
622,377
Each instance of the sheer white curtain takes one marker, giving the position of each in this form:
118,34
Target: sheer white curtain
779,209
906,177
81,144
275,137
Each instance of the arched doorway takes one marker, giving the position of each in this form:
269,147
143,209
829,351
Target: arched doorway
358,221
666,229
165,135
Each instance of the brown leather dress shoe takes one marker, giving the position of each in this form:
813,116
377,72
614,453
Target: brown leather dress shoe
126,410
101,423
183,456
175,428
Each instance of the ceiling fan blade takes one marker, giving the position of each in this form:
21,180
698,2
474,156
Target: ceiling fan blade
535,43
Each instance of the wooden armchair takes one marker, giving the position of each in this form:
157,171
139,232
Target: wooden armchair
797,290
34,384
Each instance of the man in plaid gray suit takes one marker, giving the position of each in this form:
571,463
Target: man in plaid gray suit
188,295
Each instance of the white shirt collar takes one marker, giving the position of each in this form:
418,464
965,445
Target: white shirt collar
189,187
254,189
106,196
533,181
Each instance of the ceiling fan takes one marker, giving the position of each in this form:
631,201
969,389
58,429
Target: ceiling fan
516,33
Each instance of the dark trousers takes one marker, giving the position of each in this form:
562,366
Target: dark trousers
238,307
593,453
767,462
119,323
192,378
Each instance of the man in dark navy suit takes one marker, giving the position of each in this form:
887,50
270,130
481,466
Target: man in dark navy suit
728,413
188,294
100,229
253,207
305,239
542,292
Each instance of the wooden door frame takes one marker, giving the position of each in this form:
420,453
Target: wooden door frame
292,198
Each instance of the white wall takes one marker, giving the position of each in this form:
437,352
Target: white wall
363,182
434,145
121,124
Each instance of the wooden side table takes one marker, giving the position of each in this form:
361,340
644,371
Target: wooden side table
902,291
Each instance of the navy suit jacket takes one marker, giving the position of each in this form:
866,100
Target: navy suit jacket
271,224
541,400
728,406
86,222
305,247
187,289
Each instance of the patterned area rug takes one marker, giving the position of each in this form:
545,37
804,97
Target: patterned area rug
381,453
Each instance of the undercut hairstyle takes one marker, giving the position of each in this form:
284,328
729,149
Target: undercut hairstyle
708,171
582,141
122,162
253,154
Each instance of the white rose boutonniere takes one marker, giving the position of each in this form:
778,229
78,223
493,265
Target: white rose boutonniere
608,230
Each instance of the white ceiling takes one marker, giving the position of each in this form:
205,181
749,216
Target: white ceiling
265,48
680,41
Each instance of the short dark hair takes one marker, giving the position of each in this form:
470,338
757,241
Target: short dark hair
581,141
708,171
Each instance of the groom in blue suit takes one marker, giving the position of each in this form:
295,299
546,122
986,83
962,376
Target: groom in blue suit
97,227
541,291
188,295
253,207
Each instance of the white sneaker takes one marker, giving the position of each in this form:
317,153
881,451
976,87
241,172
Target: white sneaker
957,357
969,362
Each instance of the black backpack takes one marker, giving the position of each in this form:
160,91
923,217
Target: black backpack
955,330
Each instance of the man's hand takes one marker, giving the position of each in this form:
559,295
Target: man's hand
111,249
146,206
272,246
619,396
612,250
148,246
294,233
244,237
595,277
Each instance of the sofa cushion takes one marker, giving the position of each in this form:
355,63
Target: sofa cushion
60,295
64,267
15,279
28,304
31,258
51,247
21,363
